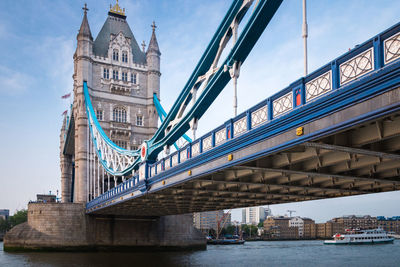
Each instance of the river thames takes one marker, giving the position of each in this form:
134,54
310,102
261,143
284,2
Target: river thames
262,253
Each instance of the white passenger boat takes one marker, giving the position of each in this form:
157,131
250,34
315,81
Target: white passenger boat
375,236
394,235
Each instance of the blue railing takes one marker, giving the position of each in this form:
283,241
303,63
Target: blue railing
363,60
115,192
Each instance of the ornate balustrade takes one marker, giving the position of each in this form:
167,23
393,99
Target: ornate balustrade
370,56
365,59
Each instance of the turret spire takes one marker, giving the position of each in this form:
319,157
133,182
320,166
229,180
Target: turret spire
85,29
144,46
153,45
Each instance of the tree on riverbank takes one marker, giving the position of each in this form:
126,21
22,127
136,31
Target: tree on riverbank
19,216
249,230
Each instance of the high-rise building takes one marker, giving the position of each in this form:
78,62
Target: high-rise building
207,220
122,79
4,214
268,212
253,215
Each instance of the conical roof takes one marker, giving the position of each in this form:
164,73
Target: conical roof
85,29
114,25
153,45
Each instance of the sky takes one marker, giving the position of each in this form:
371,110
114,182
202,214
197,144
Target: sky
38,39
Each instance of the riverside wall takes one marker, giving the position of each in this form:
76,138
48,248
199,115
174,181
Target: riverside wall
66,227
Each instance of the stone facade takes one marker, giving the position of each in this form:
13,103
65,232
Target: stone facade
277,227
122,79
65,226
357,222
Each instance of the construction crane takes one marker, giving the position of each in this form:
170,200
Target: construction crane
290,212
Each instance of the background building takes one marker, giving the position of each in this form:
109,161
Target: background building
204,221
355,221
278,227
253,215
302,224
328,229
4,214
389,224
46,198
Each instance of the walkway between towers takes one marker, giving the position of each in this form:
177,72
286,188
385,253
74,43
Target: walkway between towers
333,133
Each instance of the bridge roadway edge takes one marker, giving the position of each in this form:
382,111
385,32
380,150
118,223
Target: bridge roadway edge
369,89
66,227
343,98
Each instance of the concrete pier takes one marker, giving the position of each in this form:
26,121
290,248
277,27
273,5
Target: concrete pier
66,227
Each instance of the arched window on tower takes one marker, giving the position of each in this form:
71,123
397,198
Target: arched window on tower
119,114
115,55
124,56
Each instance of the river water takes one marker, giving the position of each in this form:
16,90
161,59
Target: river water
261,253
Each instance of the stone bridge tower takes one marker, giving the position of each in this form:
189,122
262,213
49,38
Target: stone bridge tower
121,78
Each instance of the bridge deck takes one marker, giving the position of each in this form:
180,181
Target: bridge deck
349,145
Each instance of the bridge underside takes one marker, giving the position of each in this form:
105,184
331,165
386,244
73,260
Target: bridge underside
345,160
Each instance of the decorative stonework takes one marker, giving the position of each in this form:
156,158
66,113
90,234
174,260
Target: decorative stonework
240,126
207,144
195,149
319,86
183,155
159,168
282,104
392,48
167,163
174,160
356,66
220,136
259,116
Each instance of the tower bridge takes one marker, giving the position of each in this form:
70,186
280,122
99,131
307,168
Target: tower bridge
332,133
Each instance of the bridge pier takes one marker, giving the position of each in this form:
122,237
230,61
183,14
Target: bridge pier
66,227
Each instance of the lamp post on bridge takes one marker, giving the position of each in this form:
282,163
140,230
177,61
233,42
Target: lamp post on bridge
305,35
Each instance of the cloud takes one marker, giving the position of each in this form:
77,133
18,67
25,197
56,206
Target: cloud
56,60
13,83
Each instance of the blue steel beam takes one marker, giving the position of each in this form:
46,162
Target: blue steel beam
162,114
202,67
262,15
110,154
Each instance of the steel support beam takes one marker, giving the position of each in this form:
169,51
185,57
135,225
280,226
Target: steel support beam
316,174
352,150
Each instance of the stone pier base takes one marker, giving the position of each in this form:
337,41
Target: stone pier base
66,227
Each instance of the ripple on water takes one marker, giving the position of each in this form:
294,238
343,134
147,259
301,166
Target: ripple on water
261,253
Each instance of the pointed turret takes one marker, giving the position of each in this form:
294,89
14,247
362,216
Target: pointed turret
153,45
83,71
153,77
84,31
153,63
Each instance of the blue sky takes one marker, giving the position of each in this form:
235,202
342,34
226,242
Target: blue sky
37,42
